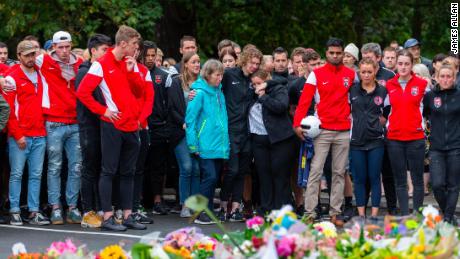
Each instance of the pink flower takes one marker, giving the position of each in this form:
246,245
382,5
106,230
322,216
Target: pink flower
254,222
285,246
58,248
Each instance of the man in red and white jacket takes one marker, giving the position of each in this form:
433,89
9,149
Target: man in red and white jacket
329,85
60,109
27,134
118,77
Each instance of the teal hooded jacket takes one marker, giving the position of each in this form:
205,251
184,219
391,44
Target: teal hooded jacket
206,122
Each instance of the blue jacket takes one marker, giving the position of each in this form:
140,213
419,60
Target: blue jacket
207,123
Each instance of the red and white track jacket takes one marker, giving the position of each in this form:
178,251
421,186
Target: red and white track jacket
146,101
120,89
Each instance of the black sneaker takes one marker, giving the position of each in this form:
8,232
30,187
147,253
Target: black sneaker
236,216
112,225
204,219
175,209
348,213
16,220
159,209
132,223
300,211
222,215
142,217
39,219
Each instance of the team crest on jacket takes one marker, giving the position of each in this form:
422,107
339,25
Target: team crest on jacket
378,100
437,102
158,79
414,90
346,82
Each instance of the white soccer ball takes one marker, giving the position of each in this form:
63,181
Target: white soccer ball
311,126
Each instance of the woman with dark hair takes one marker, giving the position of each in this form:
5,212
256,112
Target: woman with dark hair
189,172
367,135
272,140
228,57
405,135
443,109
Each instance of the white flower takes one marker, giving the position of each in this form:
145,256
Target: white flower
430,210
19,248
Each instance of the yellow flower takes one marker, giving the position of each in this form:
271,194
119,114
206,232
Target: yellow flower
113,252
419,248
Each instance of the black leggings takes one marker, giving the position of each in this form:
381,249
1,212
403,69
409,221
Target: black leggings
140,165
90,141
238,166
273,169
119,153
407,155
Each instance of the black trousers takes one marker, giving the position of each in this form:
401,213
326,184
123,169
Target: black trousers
445,178
90,141
238,166
158,166
273,169
119,154
140,166
407,155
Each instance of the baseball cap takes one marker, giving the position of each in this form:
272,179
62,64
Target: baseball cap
26,47
61,36
411,42
48,44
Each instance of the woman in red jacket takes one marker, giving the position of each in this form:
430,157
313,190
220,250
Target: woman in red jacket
406,144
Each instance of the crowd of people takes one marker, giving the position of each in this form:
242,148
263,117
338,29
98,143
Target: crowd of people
122,117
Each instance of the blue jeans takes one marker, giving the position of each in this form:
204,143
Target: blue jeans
210,169
189,171
63,137
366,166
33,154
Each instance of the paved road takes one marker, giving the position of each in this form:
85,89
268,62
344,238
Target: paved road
39,238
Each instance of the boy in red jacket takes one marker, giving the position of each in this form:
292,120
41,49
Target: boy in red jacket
329,85
118,77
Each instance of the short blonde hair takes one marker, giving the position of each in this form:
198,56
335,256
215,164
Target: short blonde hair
126,33
421,70
211,66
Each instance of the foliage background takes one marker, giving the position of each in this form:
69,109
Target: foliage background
267,24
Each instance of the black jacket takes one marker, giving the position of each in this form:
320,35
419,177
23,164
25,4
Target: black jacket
84,116
279,75
159,117
238,95
176,112
275,104
366,108
443,110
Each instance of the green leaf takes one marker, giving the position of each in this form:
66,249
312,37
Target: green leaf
197,203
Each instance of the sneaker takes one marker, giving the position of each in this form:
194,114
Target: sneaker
159,209
204,219
132,223
300,210
3,220
337,220
222,215
112,225
185,213
176,209
141,217
119,215
39,219
236,216
16,219
56,217
73,216
348,213
91,220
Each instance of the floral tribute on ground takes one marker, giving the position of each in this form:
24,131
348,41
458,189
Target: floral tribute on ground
283,235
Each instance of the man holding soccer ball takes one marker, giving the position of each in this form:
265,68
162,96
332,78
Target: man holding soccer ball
329,86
